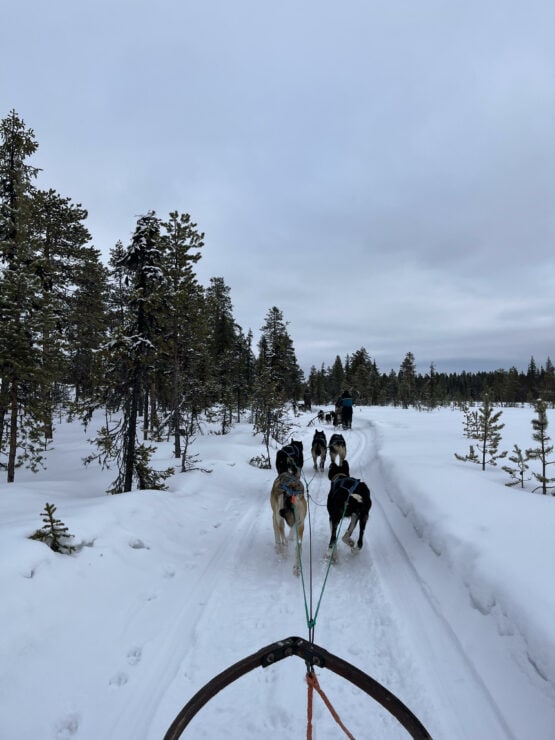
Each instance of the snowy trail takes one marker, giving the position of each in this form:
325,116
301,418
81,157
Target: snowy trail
358,620
175,587
187,616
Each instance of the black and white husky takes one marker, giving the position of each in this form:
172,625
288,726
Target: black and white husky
319,449
348,497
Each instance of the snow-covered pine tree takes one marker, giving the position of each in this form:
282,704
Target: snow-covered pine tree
131,361
543,450
487,434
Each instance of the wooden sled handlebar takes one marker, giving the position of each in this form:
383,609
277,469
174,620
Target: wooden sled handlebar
314,656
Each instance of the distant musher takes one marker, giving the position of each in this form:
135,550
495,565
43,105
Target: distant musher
346,410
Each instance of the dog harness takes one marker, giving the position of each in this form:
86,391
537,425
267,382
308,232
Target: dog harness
290,486
347,483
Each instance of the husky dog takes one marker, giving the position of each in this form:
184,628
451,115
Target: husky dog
337,447
319,449
348,497
290,458
288,505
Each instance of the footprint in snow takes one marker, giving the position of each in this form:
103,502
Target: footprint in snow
134,655
148,597
119,679
67,727
138,544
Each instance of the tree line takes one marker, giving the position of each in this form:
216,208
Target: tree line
142,340
407,387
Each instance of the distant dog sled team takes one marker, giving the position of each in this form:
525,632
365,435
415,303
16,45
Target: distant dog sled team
342,414
348,497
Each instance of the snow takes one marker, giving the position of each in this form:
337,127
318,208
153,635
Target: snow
450,603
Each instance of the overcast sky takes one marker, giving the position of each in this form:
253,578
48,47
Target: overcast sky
382,172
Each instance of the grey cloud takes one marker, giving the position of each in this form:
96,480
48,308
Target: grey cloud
382,172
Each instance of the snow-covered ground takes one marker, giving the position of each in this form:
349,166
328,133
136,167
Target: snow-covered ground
450,604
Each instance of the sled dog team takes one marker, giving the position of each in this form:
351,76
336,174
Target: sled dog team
348,497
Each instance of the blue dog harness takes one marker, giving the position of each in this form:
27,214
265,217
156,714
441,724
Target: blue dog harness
347,483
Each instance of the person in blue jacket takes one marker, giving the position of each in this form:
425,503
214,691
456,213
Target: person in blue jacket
346,410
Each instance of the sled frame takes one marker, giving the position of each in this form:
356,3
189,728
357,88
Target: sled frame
314,656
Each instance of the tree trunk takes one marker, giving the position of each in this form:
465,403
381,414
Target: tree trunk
176,416
13,432
129,462
153,414
145,415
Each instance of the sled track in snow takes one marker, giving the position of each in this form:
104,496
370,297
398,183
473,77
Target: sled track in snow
180,629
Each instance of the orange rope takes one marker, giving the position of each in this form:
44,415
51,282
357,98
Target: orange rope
309,707
312,682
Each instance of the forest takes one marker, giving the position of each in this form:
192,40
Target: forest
143,340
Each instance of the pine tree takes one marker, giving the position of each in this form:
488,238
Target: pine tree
59,238
132,360
547,383
279,357
544,449
269,402
222,344
407,381
54,532
431,395
486,430
517,473
362,377
336,379
184,308
532,378
23,413
471,424
87,327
